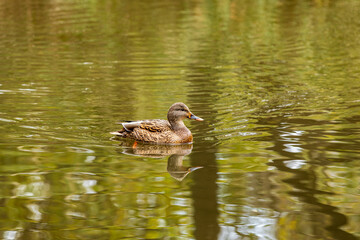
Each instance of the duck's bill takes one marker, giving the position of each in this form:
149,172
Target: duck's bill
196,118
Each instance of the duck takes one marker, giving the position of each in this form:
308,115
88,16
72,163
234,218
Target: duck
159,131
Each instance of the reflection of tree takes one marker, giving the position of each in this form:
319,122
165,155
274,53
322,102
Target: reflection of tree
204,195
204,189
305,183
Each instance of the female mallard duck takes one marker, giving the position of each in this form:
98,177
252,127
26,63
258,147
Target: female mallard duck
170,131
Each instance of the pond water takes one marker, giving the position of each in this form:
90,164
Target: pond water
277,82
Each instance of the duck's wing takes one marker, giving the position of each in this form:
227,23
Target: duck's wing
156,125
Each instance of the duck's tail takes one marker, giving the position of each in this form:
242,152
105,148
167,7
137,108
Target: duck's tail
120,133
127,128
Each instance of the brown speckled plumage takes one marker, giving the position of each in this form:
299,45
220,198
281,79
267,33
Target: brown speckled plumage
171,131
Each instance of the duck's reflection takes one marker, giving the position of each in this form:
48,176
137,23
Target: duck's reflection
176,169
176,155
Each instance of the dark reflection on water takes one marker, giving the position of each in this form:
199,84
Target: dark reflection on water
326,216
204,189
277,83
305,188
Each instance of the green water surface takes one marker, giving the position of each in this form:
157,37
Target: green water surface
277,82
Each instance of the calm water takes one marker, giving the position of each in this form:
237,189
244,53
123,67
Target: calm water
277,82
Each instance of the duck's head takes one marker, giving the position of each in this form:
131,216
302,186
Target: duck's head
179,111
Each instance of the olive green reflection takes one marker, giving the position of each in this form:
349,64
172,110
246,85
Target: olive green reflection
277,82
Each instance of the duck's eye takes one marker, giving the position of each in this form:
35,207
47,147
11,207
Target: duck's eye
181,109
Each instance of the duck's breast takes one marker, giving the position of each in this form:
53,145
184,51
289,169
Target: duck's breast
184,136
